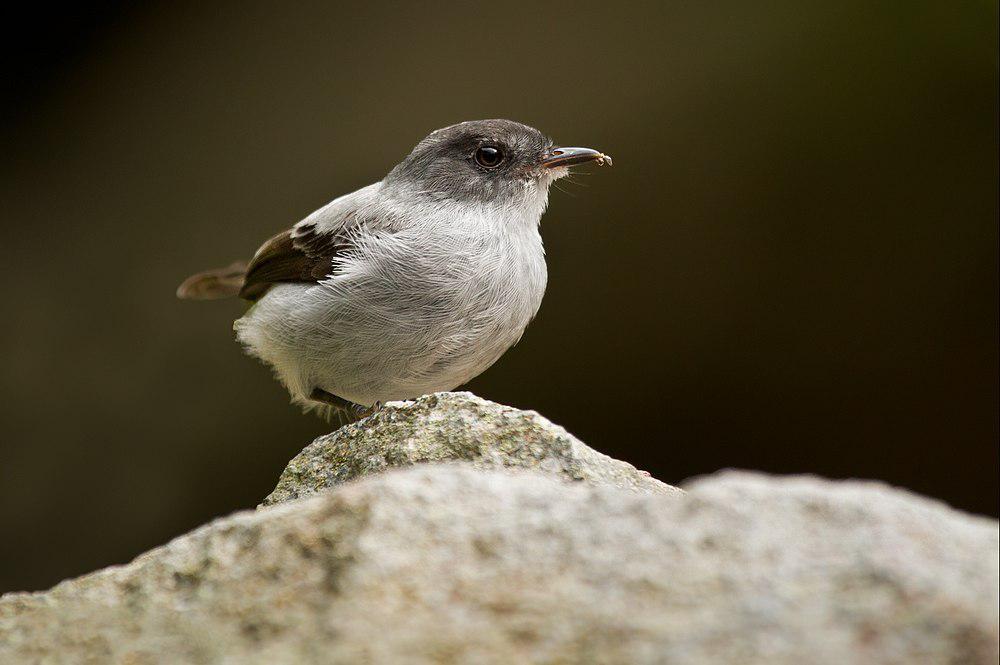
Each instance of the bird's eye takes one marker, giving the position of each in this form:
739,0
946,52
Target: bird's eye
489,156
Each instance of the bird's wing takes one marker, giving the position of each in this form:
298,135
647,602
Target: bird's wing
305,252
283,259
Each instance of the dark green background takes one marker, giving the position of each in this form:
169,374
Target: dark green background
792,266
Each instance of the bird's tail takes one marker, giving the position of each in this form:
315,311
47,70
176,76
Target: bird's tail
214,284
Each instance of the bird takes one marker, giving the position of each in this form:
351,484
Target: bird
412,285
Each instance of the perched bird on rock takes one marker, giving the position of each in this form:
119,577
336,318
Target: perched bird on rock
414,284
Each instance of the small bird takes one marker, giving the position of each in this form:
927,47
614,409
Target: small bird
414,284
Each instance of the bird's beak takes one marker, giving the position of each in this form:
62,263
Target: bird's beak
556,157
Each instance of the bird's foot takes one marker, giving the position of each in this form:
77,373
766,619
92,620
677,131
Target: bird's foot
350,409
365,411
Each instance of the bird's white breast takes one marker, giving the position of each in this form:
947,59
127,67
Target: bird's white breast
407,312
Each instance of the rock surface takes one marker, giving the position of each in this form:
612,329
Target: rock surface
498,558
449,564
448,427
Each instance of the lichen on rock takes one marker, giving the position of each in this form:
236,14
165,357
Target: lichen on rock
452,427
447,563
454,530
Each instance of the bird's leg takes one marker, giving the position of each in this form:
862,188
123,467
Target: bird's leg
344,406
374,408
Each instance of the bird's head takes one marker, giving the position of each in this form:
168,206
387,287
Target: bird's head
498,162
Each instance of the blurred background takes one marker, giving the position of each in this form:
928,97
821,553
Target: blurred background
792,266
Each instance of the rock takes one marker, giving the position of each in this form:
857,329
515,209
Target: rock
450,564
448,427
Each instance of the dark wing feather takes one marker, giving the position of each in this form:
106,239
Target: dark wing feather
299,254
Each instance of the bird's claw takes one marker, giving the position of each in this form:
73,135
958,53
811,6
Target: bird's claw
365,411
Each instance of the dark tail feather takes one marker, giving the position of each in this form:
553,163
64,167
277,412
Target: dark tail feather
214,284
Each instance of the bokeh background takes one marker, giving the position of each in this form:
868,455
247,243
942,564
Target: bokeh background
792,266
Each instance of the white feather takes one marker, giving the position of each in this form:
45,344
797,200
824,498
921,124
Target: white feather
431,294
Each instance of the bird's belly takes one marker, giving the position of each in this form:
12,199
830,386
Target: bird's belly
382,361
378,345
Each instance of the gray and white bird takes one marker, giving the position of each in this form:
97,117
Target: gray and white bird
412,285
